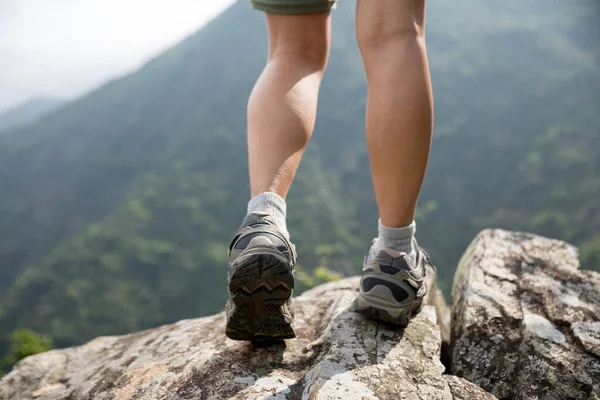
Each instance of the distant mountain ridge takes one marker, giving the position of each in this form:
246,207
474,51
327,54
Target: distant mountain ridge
28,112
116,210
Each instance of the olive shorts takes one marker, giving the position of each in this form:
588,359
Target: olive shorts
293,6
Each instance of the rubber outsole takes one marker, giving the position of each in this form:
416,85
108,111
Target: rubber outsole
260,290
400,317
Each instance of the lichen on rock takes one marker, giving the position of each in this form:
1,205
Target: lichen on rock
339,354
525,325
526,320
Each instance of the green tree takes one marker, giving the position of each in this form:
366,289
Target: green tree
25,343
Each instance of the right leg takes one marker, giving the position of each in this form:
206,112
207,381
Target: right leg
391,37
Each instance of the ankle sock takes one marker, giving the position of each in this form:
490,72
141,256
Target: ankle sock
272,204
398,239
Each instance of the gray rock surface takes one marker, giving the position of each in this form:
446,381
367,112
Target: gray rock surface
526,320
338,355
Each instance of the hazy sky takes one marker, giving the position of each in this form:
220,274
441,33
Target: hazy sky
62,48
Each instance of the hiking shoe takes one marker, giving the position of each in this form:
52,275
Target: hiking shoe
260,281
392,286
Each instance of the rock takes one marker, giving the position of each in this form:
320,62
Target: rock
526,320
338,354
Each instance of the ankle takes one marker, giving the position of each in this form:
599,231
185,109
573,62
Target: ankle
398,239
274,205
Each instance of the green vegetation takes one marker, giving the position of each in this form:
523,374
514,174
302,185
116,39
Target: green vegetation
24,343
116,210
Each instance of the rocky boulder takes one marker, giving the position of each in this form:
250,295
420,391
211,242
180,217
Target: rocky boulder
525,325
338,354
526,319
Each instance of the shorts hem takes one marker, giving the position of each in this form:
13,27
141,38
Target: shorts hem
271,8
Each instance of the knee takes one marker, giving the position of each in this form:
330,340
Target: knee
307,53
381,38
385,30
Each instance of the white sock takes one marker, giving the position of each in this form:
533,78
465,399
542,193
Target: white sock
399,239
272,204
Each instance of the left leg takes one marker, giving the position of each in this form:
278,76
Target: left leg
281,117
283,105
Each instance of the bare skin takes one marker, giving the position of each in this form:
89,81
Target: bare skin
399,122
283,105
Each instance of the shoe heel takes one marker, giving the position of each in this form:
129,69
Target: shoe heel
400,316
260,288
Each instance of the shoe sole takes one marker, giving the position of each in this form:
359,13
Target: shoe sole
260,288
381,309
401,316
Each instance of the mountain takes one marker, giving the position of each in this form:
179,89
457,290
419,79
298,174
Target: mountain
28,112
116,210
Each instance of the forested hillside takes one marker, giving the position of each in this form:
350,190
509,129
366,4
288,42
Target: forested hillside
28,112
116,210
